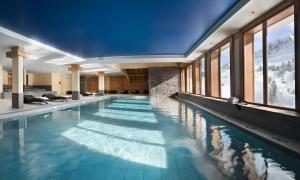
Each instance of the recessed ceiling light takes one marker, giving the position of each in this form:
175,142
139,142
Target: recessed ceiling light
91,65
62,61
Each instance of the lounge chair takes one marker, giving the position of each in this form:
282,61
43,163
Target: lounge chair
29,99
69,92
124,92
87,94
54,97
135,92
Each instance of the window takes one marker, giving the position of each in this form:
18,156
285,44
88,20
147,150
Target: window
281,59
197,77
225,71
253,44
220,71
214,63
190,79
182,77
202,67
269,76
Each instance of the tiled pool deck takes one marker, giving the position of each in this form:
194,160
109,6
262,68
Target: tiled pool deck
7,112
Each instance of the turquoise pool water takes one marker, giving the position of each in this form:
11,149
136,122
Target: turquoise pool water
136,138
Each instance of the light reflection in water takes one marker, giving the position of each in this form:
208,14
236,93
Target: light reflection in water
125,143
233,155
127,115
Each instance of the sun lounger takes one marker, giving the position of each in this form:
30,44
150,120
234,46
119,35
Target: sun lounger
29,99
54,97
86,94
135,92
124,92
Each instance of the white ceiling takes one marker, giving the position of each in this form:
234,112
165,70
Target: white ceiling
249,12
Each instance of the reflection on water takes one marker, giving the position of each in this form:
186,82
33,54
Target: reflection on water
234,153
136,138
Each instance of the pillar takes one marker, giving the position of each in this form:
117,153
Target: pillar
237,65
1,81
75,69
24,79
17,54
101,83
297,54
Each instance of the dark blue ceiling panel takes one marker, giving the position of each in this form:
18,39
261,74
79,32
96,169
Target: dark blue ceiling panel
94,28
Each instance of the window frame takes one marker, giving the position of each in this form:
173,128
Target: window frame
263,20
197,77
204,58
218,47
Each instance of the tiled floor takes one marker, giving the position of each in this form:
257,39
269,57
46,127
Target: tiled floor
6,110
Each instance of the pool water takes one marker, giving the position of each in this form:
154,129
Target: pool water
134,139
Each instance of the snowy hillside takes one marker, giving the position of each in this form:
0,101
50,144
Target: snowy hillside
281,71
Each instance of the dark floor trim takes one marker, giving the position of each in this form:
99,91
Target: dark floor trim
17,100
75,95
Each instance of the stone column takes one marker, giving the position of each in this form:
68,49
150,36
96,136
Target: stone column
17,54
75,69
101,83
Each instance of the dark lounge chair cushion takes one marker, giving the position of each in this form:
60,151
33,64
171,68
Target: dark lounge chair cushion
28,99
135,92
54,97
86,94
124,91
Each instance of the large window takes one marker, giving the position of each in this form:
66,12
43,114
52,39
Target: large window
281,59
220,72
202,70
253,45
270,61
225,71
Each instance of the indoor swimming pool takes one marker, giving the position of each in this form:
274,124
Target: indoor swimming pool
136,138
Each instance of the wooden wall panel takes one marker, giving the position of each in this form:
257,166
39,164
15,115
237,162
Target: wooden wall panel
92,84
215,76
249,68
121,83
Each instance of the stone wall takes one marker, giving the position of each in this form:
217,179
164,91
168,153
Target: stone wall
164,81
